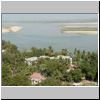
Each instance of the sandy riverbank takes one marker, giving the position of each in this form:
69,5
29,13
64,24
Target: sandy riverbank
11,29
81,32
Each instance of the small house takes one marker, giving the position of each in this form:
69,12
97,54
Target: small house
36,78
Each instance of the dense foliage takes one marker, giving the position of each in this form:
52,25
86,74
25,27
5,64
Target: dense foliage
15,72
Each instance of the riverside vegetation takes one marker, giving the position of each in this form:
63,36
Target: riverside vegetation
15,72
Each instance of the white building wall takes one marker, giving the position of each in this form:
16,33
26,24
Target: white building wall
34,59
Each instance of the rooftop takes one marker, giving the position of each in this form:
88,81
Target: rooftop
37,76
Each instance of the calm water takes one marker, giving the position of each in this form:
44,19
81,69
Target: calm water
42,35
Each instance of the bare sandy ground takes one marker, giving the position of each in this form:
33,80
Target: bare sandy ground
11,29
81,32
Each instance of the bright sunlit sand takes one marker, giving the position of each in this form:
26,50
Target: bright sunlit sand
84,30
11,29
81,32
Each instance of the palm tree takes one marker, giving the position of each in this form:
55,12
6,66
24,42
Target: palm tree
77,56
49,51
64,52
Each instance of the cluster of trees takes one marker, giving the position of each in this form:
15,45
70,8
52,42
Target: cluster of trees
15,72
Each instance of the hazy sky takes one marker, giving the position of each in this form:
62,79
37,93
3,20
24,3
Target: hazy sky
50,17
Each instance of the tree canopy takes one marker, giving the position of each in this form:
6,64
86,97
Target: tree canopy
15,72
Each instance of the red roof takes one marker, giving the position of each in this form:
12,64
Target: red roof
37,76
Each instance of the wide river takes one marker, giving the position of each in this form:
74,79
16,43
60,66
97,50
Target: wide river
42,35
